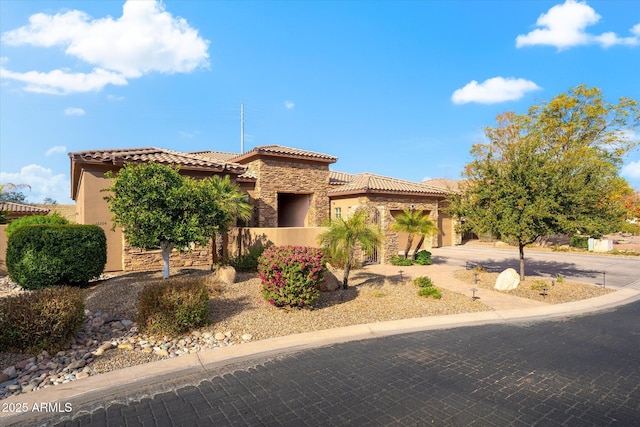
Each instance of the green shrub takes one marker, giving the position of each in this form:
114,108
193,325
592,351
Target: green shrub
401,261
580,242
41,320
173,306
53,219
39,256
423,281
291,275
423,257
630,227
247,262
430,291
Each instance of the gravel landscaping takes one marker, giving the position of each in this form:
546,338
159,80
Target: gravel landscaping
110,340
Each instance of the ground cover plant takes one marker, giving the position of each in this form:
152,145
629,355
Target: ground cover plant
426,287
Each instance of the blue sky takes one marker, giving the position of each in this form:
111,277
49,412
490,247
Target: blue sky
398,88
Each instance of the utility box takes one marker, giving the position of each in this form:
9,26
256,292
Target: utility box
600,245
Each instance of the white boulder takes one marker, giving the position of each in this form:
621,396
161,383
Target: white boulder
507,280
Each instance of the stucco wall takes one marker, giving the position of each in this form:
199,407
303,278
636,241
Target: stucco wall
275,175
242,239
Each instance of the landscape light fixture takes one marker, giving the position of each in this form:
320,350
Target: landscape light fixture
400,271
544,292
475,277
604,279
474,297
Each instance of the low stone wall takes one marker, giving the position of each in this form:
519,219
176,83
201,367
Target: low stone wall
137,260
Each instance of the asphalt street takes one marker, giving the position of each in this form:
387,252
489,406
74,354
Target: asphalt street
583,371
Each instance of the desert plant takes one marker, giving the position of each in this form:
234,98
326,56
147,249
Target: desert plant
173,306
559,278
40,320
580,242
430,291
247,262
54,218
291,275
39,256
423,282
401,261
342,237
423,258
414,223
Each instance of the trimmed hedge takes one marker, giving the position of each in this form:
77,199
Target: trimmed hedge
39,256
173,306
41,320
53,219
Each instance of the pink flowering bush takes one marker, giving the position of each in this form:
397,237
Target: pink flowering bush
290,275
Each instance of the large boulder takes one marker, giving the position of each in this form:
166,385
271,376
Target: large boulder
225,274
507,280
331,282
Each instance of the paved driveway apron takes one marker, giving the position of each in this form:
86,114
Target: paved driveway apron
582,371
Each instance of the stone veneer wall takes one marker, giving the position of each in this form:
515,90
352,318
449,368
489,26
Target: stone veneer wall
279,175
386,204
135,259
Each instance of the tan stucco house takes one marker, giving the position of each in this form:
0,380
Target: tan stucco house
293,193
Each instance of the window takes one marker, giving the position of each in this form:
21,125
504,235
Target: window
338,212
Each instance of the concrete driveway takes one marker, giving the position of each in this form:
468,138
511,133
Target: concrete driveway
619,271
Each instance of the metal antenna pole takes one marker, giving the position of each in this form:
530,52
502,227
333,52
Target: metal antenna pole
241,128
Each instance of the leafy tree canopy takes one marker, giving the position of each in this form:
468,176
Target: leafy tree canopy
552,170
158,207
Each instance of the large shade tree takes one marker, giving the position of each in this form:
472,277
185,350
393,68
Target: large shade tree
553,170
342,238
415,223
158,207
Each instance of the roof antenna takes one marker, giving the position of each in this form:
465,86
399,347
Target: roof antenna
241,128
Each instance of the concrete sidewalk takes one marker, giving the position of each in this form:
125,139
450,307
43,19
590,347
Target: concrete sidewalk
193,367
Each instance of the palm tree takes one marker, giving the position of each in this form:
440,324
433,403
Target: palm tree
340,240
414,222
234,206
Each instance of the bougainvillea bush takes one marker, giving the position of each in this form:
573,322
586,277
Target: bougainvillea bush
291,275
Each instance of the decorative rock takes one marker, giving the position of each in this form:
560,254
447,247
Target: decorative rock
11,371
126,346
331,282
162,353
247,337
3,378
126,323
82,374
225,274
219,336
507,280
207,335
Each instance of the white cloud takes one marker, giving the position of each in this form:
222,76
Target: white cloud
631,170
43,183
188,135
494,90
289,105
56,149
564,26
144,39
115,98
72,111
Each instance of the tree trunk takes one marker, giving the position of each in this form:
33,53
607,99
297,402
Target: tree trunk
166,254
347,270
409,243
521,250
420,242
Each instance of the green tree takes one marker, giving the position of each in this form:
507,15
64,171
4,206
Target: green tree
414,223
9,193
227,205
553,170
342,237
158,207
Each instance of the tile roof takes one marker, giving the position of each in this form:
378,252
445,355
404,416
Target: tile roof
18,208
370,183
152,154
339,178
215,155
444,183
281,151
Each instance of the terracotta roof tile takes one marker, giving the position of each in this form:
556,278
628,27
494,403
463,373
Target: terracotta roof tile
281,151
152,154
22,209
371,183
443,183
339,178
215,155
